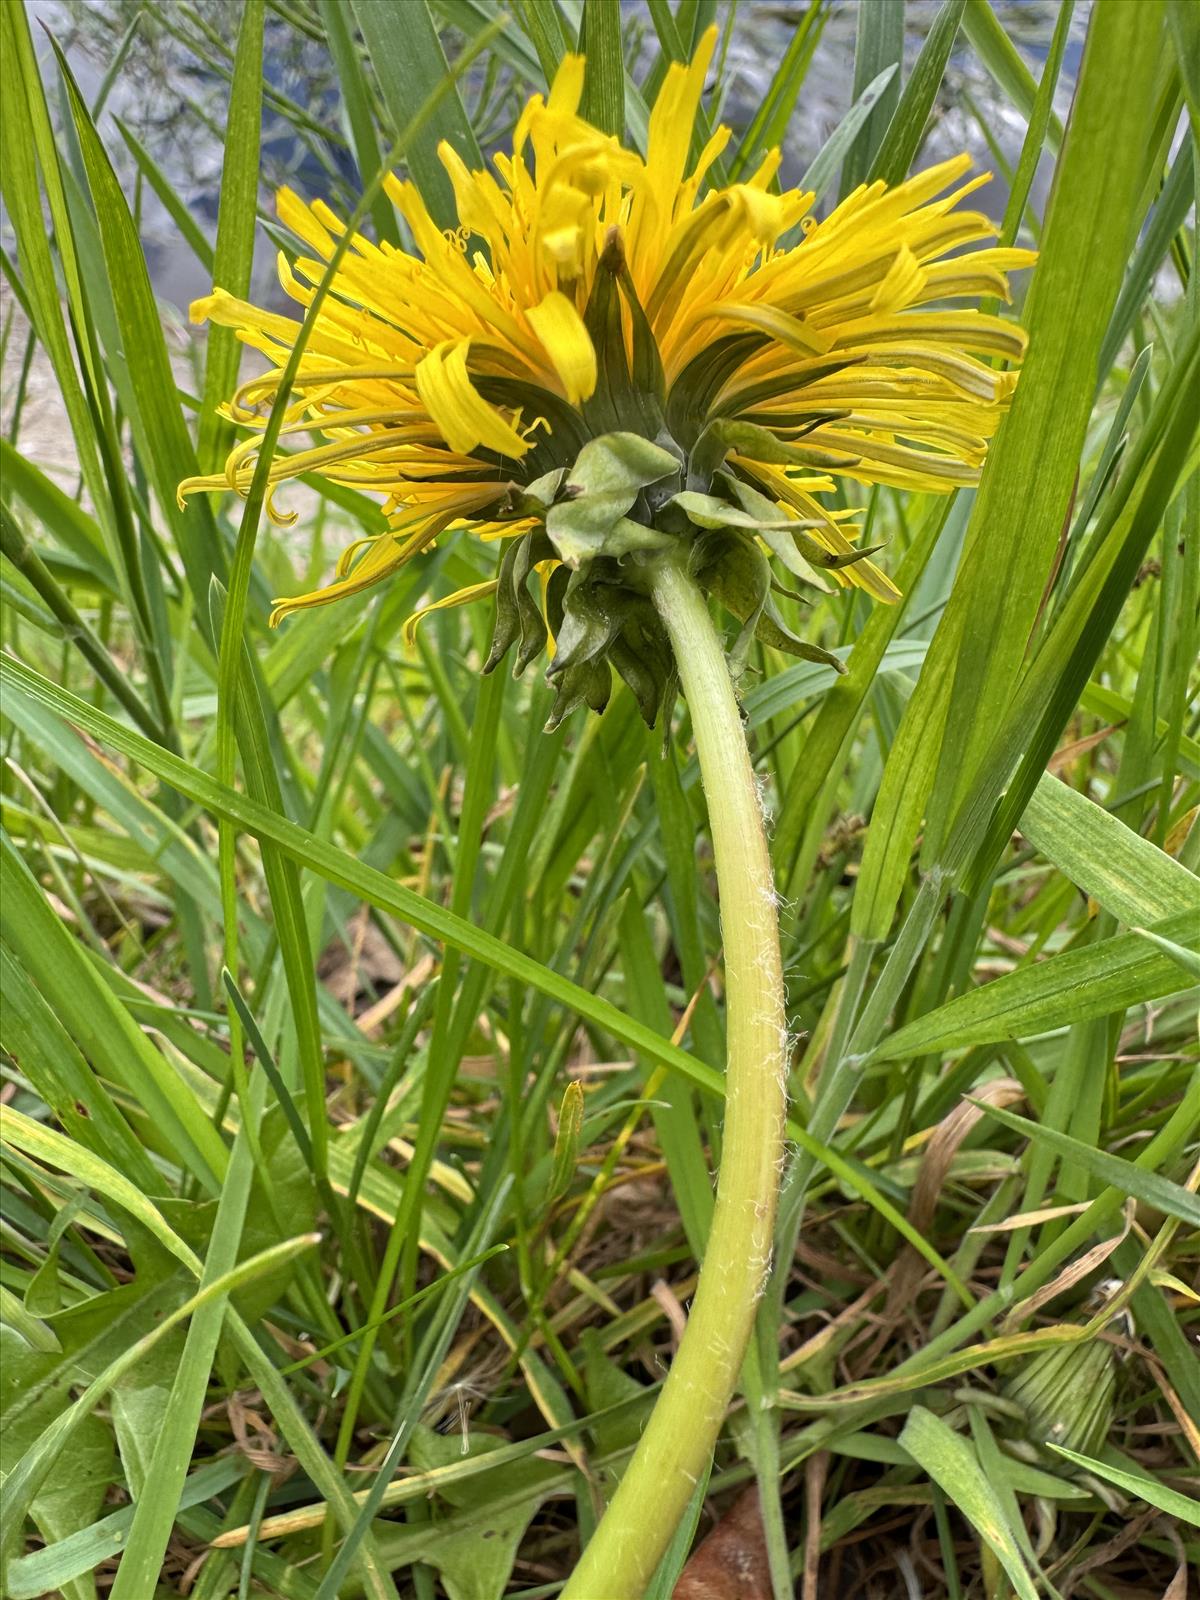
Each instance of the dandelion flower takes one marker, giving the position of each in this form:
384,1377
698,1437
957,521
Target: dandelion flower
606,355
642,388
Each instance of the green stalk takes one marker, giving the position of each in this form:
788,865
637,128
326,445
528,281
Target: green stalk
677,1446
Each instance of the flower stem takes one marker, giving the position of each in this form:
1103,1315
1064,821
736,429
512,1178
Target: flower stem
677,1446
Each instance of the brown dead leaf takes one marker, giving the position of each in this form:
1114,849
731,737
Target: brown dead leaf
937,1159
815,1469
676,1316
731,1564
1069,752
257,1440
1177,1589
367,964
1071,1274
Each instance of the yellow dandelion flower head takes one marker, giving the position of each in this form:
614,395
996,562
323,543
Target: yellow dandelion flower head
610,352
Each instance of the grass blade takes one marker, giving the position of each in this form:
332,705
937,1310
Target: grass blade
408,62
976,652
953,1465
899,145
1112,1171
233,256
1137,1484
844,137
878,45
336,866
1127,874
1095,981
604,86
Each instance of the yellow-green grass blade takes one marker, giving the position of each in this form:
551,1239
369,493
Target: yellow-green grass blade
1094,981
1107,860
158,1501
233,254
1170,1198
967,678
954,1466
1138,1484
101,1027
408,62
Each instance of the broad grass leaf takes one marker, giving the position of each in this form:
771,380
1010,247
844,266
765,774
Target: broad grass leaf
1186,960
952,1464
1151,1187
1141,1485
408,62
1094,981
607,1385
72,1494
601,41
977,650
139,1402
1126,874
1058,674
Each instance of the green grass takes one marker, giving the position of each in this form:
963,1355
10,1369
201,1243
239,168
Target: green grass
312,933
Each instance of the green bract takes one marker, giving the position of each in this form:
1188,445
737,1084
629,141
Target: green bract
602,522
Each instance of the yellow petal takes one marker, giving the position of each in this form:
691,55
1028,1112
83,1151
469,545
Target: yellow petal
228,312
568,344
460,597
385,555
294,214
780,325
462,415
674,114
901,285
567,89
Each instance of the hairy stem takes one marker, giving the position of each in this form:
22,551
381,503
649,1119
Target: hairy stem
677,1446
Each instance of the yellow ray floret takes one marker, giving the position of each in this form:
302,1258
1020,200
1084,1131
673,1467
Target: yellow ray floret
440,377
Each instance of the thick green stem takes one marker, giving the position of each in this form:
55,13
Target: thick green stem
676,1448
